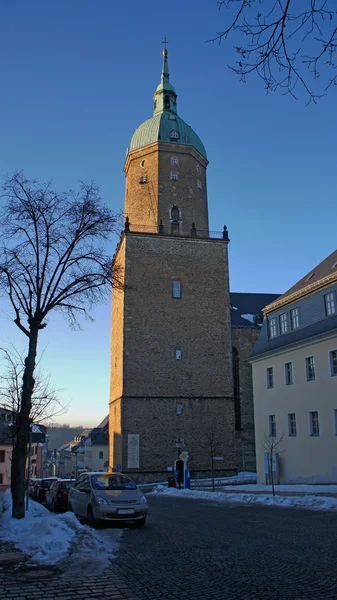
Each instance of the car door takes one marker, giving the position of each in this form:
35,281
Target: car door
76,496
85,496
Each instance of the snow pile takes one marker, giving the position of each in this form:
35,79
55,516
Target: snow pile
50,538
311,502
296,488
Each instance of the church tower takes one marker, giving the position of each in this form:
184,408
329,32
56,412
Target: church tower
171,351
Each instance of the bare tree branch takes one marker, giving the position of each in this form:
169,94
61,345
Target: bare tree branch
287,43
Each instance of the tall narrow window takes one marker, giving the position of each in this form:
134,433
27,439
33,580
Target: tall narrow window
310,368
272,327
199,184
2,456
270,377
176,289
295,318
174,160
179,408
175,213
174,176
333,363
288,368
178,354
101,454
330,305
283,323
314,422
292,427
272,426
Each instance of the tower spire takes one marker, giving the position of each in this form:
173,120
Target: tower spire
165,98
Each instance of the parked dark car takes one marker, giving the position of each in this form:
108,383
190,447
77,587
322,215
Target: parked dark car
57,495
43,487
33,484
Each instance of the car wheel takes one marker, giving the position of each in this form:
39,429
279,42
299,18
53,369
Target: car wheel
90,517
139,522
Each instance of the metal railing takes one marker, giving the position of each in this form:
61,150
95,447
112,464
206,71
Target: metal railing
178,231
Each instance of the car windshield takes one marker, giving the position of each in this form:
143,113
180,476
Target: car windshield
112,482
67,484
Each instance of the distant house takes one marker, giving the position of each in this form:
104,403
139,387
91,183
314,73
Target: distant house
96,447
295,379
5,448
86,452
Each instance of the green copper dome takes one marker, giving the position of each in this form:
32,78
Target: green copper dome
165,125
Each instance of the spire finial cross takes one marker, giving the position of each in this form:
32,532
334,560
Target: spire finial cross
165,42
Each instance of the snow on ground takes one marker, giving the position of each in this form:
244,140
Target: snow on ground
239,478
310,502
49,538
302,488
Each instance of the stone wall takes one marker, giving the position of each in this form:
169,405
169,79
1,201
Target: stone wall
244,340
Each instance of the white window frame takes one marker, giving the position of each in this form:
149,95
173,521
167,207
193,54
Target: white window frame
311,422
176,289
272,426
283,320
174,160
306,364
289,415
268,371
174,176
291,382
330,304
331,362
178,354
272,328
295,319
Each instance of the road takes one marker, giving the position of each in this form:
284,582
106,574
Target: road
201,549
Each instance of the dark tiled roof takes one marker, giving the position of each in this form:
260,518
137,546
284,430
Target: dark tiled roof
294,337
327,267
104,422
99,439
249,305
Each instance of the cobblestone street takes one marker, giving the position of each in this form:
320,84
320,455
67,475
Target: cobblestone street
199,549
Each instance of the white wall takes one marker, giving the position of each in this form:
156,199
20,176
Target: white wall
305,458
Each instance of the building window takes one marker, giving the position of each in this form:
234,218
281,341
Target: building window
333,363
198,169
272,426
143,179
283,323
272,327
174,135
292,428
2,456
1,478
174,160
100,454
310,368
174,176
330,305
178,354
142,163
175,213
176,289
314,422
179,408
295,318
270,377
199,184
288,368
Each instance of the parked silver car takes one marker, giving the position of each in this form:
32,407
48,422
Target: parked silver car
107,496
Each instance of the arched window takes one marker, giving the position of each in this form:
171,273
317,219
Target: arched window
176,291
174,135
174,176
167,102
174,160
175,213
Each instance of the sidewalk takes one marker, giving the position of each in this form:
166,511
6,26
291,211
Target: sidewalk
284,490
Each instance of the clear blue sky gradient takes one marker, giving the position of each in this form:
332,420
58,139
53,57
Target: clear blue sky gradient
77,77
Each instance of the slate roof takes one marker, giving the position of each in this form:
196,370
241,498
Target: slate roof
328,266
263,345
250,305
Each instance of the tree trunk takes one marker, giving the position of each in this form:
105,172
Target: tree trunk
22,430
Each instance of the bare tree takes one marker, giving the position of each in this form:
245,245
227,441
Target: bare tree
52,257
271,443
286,42
213,444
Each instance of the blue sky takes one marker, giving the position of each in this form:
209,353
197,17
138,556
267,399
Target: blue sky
78,77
